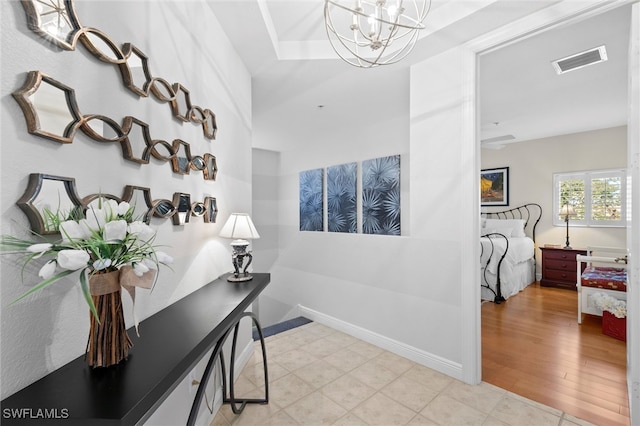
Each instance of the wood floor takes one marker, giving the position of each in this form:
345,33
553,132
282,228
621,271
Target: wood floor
532,345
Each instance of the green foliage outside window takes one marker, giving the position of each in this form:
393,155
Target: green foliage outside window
597,197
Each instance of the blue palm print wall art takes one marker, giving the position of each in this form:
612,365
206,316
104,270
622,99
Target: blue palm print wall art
381,196
311,202
341,198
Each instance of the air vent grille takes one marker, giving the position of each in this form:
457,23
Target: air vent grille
498,139
580,60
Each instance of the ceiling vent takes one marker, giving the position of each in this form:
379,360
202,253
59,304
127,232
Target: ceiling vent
580,60
498,139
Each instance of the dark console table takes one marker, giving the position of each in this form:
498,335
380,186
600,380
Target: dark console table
172,342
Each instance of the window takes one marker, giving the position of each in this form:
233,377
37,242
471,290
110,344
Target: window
598,197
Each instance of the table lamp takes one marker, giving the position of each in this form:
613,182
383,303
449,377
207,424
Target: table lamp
240,227
567,211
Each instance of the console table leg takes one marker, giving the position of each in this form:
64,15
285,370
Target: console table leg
244,401
217,353
200,393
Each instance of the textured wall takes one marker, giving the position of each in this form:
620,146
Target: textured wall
184,44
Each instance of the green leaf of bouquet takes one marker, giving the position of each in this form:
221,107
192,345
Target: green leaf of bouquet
87,295
43,284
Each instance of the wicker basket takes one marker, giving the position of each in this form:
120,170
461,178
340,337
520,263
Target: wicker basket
613,326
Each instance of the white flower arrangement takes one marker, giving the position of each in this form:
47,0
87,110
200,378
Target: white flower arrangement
106,239
604,302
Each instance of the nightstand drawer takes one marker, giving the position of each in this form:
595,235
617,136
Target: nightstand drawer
564,276
562,265
560,254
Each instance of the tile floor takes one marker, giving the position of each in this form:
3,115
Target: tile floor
320,376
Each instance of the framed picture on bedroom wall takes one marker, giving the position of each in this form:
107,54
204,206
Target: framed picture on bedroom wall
494,187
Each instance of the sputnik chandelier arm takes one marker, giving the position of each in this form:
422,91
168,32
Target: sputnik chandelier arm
374,32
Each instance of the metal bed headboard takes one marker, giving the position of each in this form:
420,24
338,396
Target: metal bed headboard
530,212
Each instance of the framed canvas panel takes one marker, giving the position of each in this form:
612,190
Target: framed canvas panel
341,198
494,187
381,196
311,200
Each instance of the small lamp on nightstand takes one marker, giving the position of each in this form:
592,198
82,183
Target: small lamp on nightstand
567,211
240,227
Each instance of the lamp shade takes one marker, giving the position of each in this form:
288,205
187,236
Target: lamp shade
239,226
567,210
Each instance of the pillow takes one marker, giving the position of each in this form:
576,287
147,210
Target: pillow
507,232
516,225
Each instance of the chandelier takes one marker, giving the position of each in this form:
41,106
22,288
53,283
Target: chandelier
374,32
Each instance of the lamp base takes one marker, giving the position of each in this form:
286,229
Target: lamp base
240,278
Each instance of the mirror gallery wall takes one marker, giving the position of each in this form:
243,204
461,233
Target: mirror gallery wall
47,330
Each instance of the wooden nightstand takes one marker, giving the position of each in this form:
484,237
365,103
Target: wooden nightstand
559,267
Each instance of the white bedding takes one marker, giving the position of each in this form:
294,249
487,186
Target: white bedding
520,249
517,270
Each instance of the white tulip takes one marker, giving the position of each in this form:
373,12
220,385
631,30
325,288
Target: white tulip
47,270
72,231
73,259
96,218
39,248
140,268
141,230
150,263
164,258
123,208
101,264
115,230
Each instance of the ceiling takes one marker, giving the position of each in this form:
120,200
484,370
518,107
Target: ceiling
300,85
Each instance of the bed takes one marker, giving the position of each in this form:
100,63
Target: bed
507,251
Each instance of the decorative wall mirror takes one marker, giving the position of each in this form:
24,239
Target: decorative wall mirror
49,199
211,167
161,89
198,209
54,20
102,128
51,111
181,161
181,104
136,146
207,118
92,197
101,46
183,208
211,213
140,198
163,208
49,107
135,72
166,151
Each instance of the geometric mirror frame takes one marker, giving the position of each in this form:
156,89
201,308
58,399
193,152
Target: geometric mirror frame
49,107
55,20
211,212
40,203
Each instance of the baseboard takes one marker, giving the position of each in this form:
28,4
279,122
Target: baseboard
426,359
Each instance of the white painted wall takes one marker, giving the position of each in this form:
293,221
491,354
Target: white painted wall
633,236
405,291
266,165
185,44
531,168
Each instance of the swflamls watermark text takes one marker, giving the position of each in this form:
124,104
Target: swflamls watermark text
35,413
